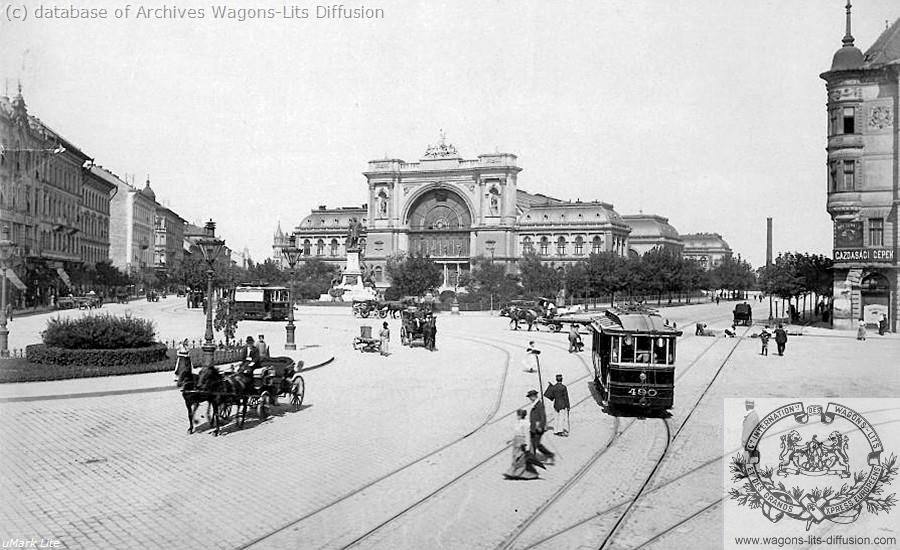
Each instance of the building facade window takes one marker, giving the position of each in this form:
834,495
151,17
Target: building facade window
334,247
849,179
849,120
561,246
596,245
876,231
320,247
545,246
527,246
306,247
579,246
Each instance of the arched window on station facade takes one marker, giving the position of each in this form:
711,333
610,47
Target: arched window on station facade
334,247
306,247
379,274
527,246
320,247
561,246
579,246
596,245
545,246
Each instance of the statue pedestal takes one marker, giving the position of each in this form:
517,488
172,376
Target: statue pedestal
351,285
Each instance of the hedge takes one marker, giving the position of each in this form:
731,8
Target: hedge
48,355
93,332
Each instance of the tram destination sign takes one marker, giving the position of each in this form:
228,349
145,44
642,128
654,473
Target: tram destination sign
883,255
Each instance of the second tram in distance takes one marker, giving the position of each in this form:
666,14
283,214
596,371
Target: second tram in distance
634,359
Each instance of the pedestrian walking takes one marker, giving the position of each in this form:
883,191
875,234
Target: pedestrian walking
559,395
523,460
530,360
575,344
263,347
385,336
183,368
861,330
764,340
538,425
882,324
780,339
717,300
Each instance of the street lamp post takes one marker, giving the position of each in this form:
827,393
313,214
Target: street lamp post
292,255
490,247
6,249
210,247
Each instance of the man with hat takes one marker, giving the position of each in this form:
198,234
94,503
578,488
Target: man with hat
538,418
251,357
559,394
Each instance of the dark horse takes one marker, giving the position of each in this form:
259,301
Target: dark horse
517,314
208,386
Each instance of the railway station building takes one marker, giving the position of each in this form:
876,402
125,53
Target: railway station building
454,210
863,177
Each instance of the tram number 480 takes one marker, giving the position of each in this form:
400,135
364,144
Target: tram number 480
642,391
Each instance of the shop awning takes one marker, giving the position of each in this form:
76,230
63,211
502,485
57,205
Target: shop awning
64,276
15,280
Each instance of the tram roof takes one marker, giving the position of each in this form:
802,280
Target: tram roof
626,322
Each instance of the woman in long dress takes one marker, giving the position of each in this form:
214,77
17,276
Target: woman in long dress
523,461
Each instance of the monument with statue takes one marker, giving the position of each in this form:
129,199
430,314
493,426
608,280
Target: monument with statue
355,282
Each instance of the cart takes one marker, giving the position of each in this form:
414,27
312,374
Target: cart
364,342
743,315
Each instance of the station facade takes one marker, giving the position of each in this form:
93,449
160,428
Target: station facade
454,210
863,182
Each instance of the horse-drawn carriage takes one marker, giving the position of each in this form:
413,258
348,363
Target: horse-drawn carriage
365,308
417,326
231,389
743,315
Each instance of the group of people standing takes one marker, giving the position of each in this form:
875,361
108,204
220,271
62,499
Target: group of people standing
882,327
780,339
528,452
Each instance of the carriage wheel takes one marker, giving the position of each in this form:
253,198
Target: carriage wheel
364,314
382,313
298,390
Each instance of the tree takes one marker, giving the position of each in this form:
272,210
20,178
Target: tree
733,274
226,319
489,282
413,275
269,272
313,278
538,279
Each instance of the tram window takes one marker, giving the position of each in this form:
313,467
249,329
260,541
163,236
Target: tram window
614,350
627,355
642,351
659,351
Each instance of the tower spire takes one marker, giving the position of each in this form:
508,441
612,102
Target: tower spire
848,38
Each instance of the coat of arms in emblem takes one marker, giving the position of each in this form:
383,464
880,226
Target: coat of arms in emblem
794,468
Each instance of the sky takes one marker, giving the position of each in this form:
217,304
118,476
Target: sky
708,112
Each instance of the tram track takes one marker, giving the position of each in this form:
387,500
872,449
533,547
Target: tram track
421,501
490,419
670,438
492,413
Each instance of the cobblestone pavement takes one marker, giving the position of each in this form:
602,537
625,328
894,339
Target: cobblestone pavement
120,471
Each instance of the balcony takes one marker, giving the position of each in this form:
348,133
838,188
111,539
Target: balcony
844,205
845,141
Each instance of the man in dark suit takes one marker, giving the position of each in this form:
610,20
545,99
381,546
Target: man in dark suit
538,418
250,359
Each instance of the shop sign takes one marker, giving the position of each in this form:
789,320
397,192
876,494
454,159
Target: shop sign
882,255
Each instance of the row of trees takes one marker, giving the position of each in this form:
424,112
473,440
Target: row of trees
795,276
658,274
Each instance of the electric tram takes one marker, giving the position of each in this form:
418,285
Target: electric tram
266,303
634,359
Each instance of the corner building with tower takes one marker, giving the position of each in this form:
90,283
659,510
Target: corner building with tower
863,178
